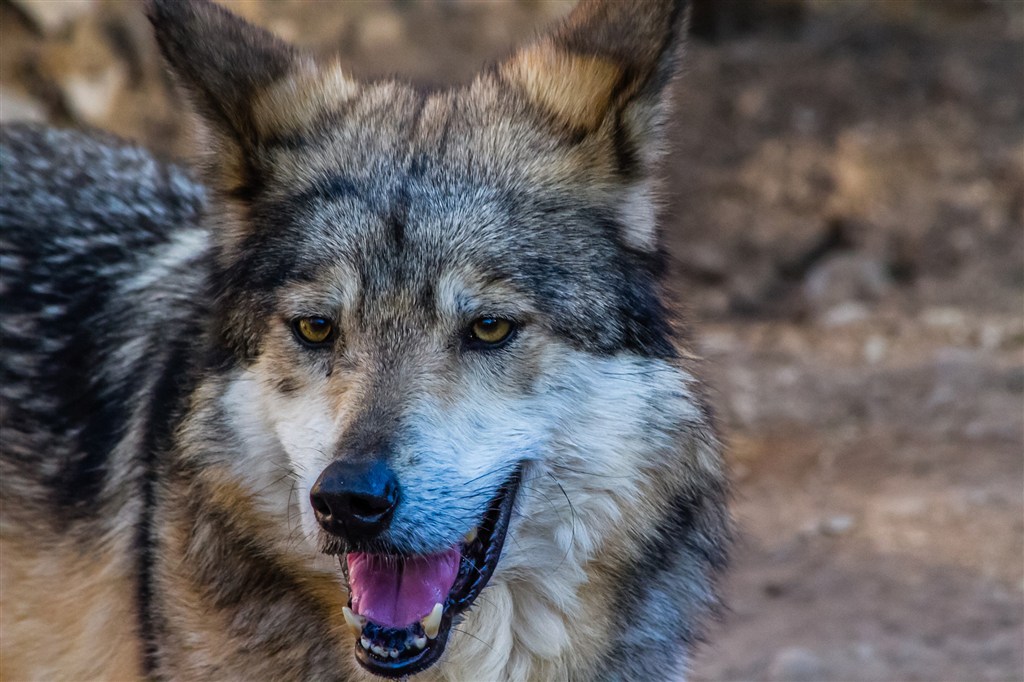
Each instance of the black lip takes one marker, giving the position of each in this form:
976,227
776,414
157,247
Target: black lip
493,529
474,574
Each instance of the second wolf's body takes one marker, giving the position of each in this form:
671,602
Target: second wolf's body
163,429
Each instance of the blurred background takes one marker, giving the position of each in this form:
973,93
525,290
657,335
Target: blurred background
846,224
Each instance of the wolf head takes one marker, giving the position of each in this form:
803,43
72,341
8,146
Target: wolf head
441,317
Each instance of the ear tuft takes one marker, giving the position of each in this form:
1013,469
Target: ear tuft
576,89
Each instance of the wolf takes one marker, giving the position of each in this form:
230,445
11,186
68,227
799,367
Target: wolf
385,384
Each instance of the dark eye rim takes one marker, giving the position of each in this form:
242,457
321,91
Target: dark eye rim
295,322
472,342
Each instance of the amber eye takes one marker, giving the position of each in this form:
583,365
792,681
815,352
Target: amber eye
490,332
313,330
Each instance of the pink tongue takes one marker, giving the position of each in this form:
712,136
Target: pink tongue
398,591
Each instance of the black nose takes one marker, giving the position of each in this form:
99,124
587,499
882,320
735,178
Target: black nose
355,500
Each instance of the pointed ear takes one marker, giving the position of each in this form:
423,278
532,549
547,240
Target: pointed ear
608,60
222,61
608,63
603,76
248,86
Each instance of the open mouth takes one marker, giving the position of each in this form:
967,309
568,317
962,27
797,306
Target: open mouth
402,607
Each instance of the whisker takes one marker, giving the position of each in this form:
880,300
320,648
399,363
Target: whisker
581,472
466,632
572,509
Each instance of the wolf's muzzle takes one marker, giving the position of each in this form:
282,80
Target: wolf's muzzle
355,500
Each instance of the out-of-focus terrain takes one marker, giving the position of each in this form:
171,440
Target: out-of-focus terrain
846,224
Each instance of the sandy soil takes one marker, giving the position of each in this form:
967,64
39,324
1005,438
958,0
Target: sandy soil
849,217
846,223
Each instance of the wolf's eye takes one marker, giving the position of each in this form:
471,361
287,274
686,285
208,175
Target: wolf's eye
314,331
490,332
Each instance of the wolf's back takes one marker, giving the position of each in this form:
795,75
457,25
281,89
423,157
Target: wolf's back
83,218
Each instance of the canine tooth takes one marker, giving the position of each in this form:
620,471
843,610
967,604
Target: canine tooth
365,643
379,650
470,536
432,623
355,621
393,653
419,642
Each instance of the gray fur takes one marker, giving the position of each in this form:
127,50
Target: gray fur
82,215
146,332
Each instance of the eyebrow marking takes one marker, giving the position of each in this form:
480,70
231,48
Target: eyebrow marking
329,189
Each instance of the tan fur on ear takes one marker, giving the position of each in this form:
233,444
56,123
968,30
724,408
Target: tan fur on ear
301,97
608,58
576,89
603,78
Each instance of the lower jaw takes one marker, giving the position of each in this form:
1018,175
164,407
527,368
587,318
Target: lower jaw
374,643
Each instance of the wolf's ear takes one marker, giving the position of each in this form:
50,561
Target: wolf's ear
220,59
604,73
248,85
608,59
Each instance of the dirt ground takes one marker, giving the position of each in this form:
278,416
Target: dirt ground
846,224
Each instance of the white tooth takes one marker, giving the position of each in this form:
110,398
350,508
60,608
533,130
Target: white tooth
419,642
365,643
393,653
355,622
432,623
470,536
379,650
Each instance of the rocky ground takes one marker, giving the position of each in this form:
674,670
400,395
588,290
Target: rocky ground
846,221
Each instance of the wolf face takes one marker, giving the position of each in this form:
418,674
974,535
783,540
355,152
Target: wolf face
446,365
